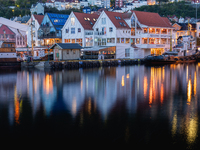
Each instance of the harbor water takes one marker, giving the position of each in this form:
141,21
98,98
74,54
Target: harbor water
134,105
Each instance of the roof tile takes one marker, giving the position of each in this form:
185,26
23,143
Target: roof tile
86,20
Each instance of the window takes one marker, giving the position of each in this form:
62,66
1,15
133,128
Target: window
127,52
104,31
79,29
157,31
122,40
110,40
144,40
110,29
73,40
103,20
127,40
72,30
67,30
118,40
163,31
74,51
103,41
72,21
67,51
152,30
137,41
132,31
145,30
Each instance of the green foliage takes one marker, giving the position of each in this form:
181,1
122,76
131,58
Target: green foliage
177,8
54,10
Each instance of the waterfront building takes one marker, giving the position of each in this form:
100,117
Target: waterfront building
36,21
66,51
49,31
12,31
150,32
112,30
78,29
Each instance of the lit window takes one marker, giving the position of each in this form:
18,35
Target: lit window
72,21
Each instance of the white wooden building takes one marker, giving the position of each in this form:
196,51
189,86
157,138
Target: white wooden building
78,29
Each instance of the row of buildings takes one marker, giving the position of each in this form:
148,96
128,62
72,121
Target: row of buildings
122,5
134,34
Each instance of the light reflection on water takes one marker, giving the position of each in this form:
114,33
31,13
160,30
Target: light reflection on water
131,99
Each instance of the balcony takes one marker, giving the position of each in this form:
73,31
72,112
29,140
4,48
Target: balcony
51,35
99,33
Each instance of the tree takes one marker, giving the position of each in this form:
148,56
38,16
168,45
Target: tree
9,13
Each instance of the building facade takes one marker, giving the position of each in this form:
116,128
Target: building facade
49,31
78,29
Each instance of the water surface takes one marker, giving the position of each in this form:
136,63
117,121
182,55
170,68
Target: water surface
131,105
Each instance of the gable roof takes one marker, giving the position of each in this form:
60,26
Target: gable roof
67,46
118,19
86,20
151,19
58,20
39,18
7,29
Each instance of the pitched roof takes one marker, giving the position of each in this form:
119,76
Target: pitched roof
13,24
67,45
117,19
39,18
86,20
7,29
151,19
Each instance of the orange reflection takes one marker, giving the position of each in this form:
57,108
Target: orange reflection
161,93
189,91
48,84
145,86
18,106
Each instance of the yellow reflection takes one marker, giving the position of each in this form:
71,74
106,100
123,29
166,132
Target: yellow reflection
192,129
127,76
145,86
122,83
195,83
189,91
74,105
48,84
174,124
89,106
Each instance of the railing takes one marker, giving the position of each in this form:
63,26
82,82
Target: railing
100,33
49,36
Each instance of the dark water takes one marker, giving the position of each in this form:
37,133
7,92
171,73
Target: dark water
154,107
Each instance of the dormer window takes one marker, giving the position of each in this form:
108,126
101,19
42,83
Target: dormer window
88,19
